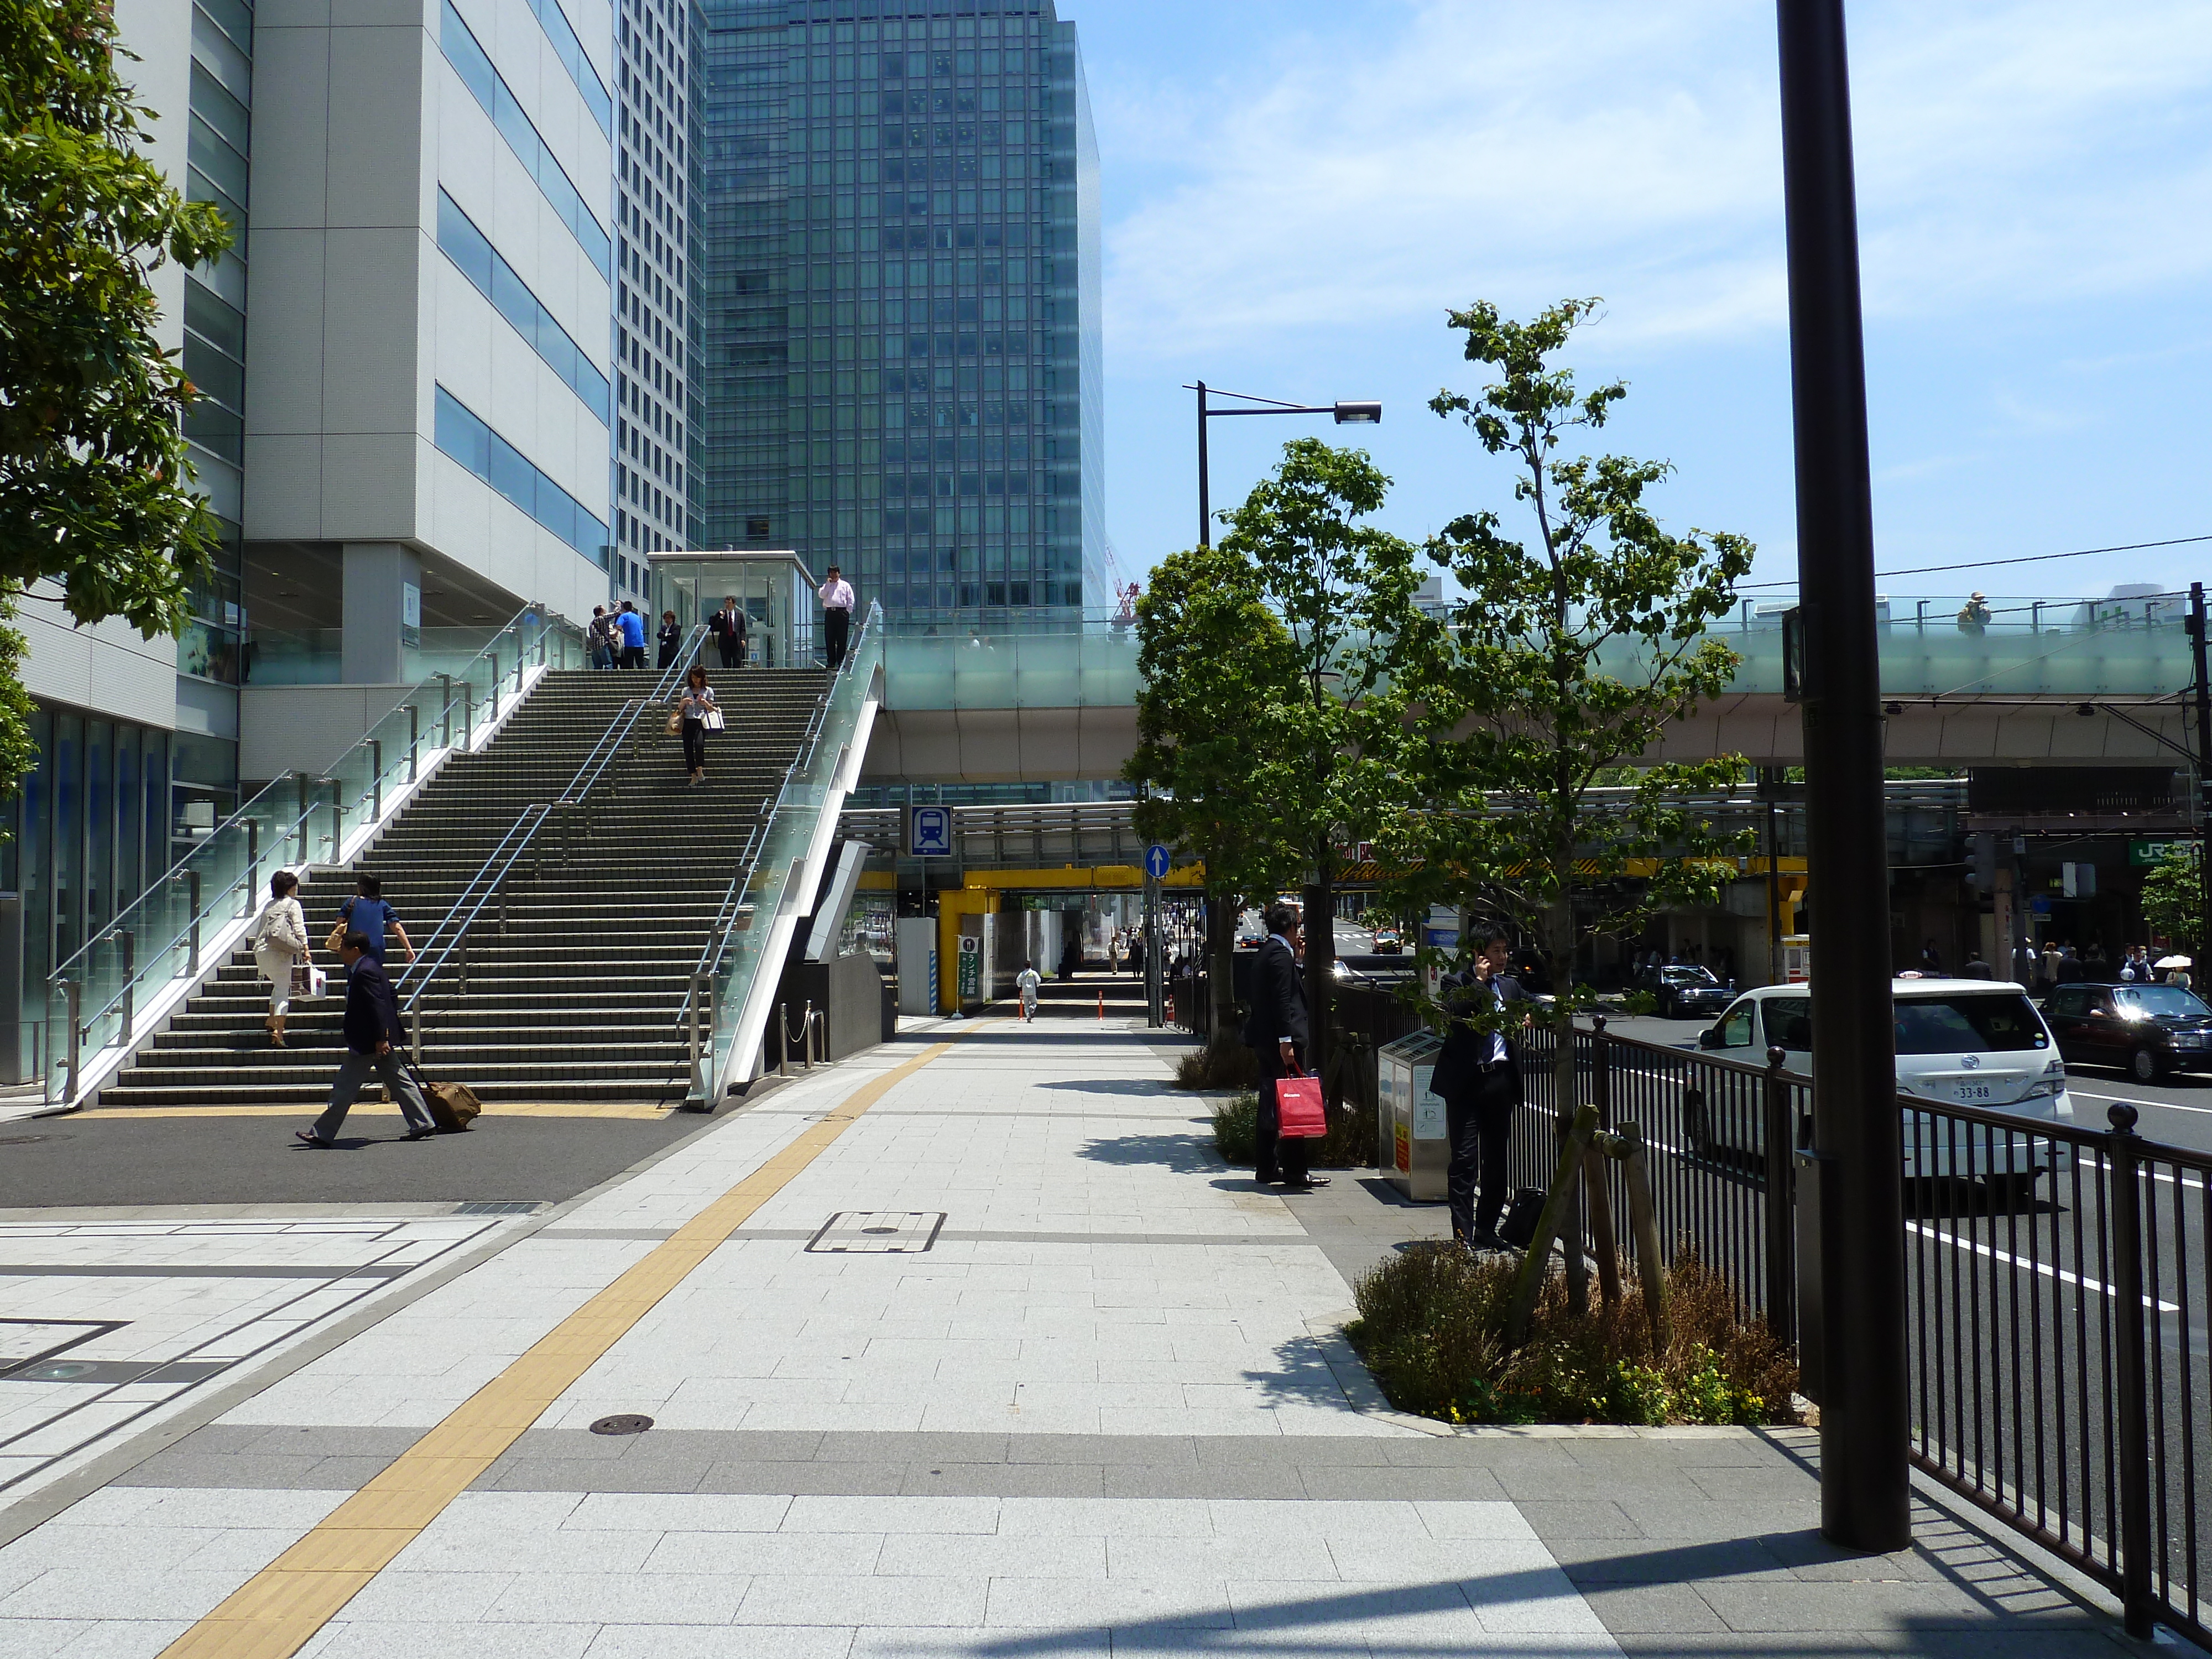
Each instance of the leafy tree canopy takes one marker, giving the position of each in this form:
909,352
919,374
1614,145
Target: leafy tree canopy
94,482
1577,648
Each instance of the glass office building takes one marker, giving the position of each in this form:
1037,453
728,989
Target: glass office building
900,332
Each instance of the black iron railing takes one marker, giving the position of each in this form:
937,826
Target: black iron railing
2057,1278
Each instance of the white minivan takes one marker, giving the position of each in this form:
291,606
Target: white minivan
1969,1041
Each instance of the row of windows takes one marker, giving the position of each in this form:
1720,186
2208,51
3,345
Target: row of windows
462,435
474,65
474,256
570,50
978,483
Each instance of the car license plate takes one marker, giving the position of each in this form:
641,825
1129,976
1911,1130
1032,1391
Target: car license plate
1973,1092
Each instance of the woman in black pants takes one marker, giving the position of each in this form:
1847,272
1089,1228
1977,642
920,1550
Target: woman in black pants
699,711
671,638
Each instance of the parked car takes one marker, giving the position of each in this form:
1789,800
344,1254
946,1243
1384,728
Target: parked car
1975,1042
1389,942
2146,1030
1684,990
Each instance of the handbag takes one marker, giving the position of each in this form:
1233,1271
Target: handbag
1299,1114
306,980
712,719
675,721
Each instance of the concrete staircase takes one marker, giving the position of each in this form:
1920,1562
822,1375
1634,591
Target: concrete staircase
576,997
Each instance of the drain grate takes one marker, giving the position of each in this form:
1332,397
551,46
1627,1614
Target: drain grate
622,1423
498,1207
877,1232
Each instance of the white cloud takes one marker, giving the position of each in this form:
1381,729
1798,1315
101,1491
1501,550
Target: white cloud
2007,153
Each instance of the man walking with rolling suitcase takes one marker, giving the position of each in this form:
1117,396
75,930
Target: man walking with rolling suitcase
372,1035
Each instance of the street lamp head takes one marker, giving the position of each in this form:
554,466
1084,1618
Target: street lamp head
1358,414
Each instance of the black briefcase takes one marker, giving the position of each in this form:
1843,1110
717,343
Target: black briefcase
1520,1223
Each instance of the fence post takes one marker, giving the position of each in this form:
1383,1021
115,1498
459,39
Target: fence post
1644,1226
1604,1244
130,977
414,1035
468,715
253,865
2123,1197
1781,1222
782,1041
414,741
376,780
461,961
73,995
300,826
445,712
338,823
192,902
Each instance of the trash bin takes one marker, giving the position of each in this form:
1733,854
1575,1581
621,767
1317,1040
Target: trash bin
1412,1143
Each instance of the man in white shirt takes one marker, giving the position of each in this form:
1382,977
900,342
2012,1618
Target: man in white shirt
837,616
1028,983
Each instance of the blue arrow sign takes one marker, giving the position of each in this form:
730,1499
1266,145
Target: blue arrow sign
1156,862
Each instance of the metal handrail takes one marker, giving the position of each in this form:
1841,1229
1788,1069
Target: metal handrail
804,755
700,985
527,825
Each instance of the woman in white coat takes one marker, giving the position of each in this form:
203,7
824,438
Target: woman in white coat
280,942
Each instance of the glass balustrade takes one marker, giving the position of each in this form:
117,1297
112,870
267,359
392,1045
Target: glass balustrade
95,998
732,964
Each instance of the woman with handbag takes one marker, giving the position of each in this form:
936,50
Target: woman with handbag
279,937
699,715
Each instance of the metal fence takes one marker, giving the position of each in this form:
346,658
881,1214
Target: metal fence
2057,1304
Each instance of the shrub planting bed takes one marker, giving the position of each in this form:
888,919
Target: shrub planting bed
1432,1330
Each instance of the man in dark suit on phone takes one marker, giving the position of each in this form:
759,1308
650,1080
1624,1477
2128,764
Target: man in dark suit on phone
1276,1028
1478,1076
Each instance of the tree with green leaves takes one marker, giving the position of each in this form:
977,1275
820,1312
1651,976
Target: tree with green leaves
1579,642
2173,902
1344,590
1207,643
95,487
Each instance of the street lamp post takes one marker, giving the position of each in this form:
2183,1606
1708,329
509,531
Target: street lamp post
1854,1187
1346,414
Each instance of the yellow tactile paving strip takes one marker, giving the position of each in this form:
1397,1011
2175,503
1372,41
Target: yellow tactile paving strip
276,1612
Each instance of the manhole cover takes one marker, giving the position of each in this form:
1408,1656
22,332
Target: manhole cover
622,1423
880,1232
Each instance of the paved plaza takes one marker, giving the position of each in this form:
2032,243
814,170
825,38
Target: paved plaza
968,1347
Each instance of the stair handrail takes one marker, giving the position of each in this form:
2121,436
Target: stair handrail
492,874
283,811
698,995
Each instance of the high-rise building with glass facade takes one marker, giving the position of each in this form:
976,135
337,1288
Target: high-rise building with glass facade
900,330
656,236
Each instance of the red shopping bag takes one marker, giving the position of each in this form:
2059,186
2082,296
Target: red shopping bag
1299,1114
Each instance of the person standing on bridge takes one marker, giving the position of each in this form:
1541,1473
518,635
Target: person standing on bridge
372,1028
728,627
700,715
837,616
633,635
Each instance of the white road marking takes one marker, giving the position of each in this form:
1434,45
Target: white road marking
2012,1260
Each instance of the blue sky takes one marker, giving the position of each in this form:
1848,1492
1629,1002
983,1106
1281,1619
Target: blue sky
1295,192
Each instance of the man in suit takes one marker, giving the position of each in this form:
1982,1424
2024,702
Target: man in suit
1478,1076
1277,1027
728,627
372,1029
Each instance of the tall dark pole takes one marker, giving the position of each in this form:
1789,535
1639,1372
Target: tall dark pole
1865,1493
2196,645
1204,505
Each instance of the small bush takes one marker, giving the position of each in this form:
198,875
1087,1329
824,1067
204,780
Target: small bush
1433,1324
1232,1065
1236,1130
